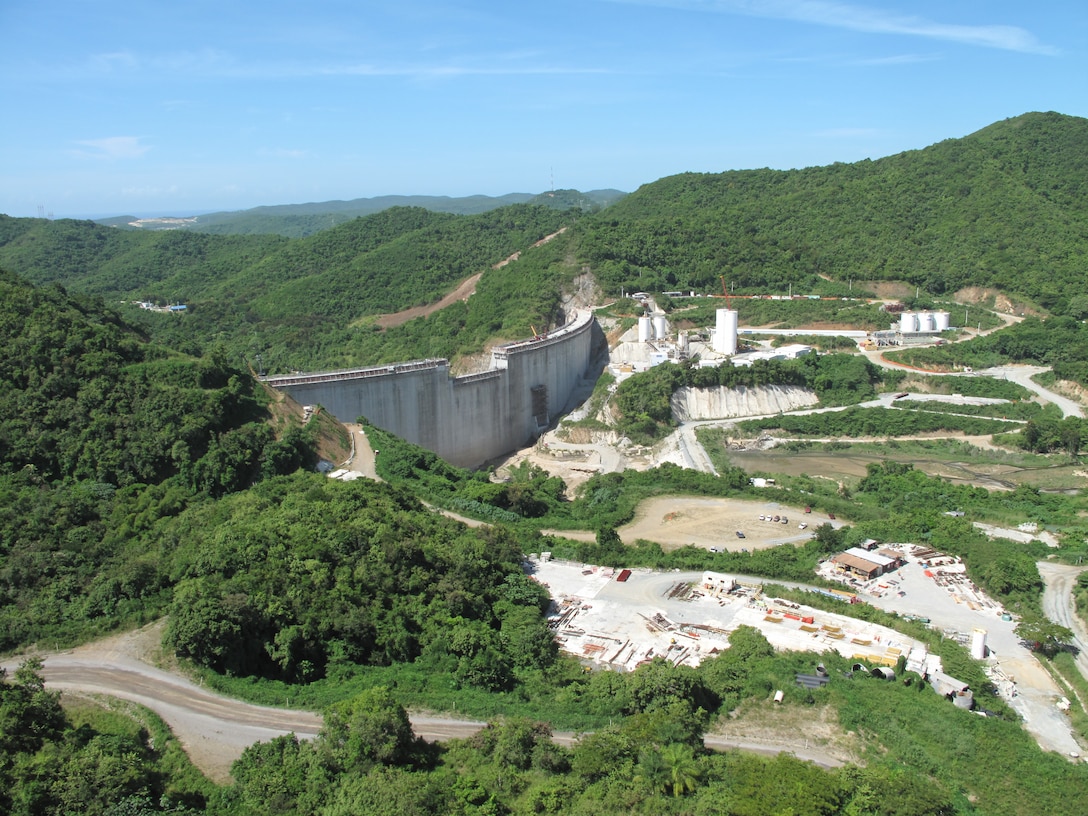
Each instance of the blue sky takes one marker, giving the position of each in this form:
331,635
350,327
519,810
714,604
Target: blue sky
179,108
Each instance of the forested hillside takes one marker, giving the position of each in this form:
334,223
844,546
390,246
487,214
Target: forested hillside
304,303
102,435
1004,207
137,481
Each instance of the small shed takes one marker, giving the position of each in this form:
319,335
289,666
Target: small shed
717,583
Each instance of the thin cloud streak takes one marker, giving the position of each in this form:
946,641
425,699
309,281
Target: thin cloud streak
216,64
113,147
861,18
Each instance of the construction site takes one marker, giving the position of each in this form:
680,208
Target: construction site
621,621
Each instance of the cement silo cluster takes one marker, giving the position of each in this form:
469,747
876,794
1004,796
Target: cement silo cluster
923,322
652,327
725,331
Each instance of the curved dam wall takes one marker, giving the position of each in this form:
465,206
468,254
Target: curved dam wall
725,403
465,420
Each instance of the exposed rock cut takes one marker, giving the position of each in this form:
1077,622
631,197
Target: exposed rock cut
724,403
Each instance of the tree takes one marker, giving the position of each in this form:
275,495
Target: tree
280,776
1044,635
29,715
683,769
661,685
369,729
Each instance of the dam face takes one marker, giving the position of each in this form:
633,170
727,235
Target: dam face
465,420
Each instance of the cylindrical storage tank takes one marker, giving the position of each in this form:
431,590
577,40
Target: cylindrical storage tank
908,322
661,327
978,644
778,696
682,340
964,699
645,329
725,332
925,321
940,321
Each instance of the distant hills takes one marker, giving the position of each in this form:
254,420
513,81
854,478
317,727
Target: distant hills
1006,207
300,220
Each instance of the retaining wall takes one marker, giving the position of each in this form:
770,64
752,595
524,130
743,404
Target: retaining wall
465,420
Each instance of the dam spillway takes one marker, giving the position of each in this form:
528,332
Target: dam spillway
466,420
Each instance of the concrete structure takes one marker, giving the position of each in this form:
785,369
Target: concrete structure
789,352
923,322
725,331
978,643
661,327
955,690
465,420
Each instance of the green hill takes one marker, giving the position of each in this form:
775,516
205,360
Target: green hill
295,301
1003,207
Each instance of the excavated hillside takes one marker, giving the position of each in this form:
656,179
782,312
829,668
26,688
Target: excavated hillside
725,403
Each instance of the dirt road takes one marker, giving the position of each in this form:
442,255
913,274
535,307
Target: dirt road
1058,605
215,730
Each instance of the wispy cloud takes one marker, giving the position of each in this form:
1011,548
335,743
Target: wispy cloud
847,133
898,59
112,147
210,63
282,153
863,18
440,70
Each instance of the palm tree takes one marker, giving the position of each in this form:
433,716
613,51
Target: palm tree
652,770
683,768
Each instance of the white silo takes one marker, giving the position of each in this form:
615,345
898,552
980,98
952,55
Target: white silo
908,322
645,329
940,321
925,321
725,331
661,326
978,644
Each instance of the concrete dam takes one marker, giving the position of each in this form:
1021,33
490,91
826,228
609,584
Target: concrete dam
466,420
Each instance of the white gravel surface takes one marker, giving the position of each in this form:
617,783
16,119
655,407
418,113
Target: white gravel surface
614,615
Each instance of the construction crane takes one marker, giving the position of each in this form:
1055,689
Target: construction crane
725,291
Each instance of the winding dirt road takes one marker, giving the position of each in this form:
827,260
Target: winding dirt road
1059,580
215,730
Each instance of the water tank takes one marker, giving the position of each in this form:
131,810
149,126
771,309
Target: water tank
661,327
645,329
940,321
978,644
725,331
908,322
925,321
